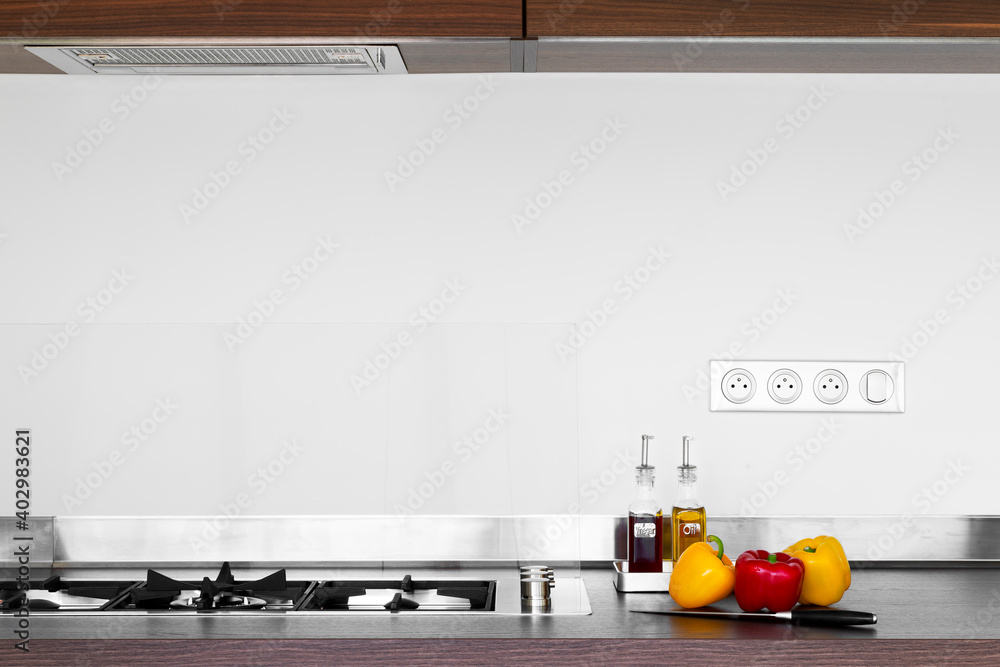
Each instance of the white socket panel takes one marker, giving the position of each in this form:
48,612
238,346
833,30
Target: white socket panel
872,386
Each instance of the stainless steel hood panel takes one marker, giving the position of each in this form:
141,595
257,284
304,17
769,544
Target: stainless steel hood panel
573,54
221,59
421,55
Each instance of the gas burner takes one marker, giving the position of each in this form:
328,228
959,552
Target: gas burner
406,594
163,592
221,601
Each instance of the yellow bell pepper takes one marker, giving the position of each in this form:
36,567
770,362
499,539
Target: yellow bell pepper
702,575
828,574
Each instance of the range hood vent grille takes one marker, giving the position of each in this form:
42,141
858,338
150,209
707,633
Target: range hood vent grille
347,59
222,56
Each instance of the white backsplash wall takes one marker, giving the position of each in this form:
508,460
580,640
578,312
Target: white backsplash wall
182,205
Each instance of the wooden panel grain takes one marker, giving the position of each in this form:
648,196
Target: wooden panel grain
200,653
28,19
764,18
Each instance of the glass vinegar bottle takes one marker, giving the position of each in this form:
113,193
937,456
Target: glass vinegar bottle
687,519
645,520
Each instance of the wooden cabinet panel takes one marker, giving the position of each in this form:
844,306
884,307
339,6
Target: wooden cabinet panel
27,19
764,18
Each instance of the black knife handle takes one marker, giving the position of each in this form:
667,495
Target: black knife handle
832,617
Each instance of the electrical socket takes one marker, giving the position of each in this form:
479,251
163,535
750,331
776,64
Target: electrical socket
738,386
830,386
784,386
858,386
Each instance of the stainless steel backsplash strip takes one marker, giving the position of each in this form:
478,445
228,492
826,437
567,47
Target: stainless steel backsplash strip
317,540
883,540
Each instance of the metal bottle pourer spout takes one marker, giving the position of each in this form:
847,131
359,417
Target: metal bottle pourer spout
687,471
645,453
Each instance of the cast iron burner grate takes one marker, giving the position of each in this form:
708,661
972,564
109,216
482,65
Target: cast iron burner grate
163,592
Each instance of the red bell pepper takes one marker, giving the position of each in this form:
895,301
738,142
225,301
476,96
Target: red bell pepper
768,580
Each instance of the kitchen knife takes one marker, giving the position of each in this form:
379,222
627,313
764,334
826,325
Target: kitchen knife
818,617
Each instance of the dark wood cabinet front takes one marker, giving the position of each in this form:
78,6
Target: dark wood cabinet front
763,18
28,19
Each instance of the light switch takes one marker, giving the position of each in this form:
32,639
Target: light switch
877,387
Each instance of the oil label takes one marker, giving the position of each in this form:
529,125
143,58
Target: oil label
644,530
691,530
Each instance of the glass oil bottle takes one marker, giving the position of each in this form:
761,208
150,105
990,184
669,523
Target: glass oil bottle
687,520
645,520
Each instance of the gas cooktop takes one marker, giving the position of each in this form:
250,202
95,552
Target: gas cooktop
273,593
